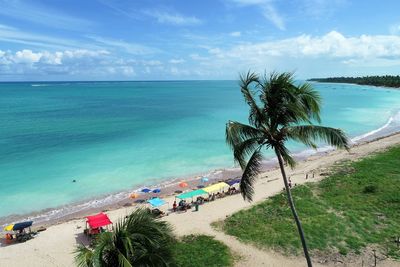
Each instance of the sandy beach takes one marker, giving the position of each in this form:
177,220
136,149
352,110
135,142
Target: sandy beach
54,247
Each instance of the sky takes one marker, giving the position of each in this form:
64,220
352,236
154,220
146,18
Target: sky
53,40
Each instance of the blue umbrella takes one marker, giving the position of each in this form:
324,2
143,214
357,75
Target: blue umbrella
157,190
145,190
204,179
232,182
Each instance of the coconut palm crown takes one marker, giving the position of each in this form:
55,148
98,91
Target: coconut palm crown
280,111
138,240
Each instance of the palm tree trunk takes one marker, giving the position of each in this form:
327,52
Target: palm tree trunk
292,207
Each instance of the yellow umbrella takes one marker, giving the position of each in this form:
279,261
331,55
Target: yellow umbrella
9,227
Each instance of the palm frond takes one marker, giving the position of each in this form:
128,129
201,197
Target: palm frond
256,116
308,134
83,256
237,133
310,100
250,174
243,150
285,154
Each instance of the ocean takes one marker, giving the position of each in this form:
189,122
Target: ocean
115,136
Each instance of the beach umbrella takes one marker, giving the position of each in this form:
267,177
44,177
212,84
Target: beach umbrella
134,195
157,190
18,226
232,182
183,184
145,190
9,227
204,179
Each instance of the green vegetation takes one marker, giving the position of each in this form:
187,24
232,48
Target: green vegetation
201,250
280,111
358,205
387,80
138,240
143,240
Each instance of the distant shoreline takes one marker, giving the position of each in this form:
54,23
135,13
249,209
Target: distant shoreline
387,81
118,200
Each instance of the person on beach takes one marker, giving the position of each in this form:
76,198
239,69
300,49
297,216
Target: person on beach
306,176
290,183
174,206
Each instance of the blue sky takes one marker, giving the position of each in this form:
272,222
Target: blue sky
208,39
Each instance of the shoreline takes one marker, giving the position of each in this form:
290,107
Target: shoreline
46,250
381,86
168,186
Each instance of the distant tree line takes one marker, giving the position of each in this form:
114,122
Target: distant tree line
386,80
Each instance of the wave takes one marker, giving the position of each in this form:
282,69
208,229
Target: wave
393,123
40,85
54,214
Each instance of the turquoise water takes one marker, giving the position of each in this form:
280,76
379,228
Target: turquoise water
112,136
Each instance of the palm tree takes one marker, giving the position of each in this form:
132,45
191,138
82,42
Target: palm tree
138,240
279,111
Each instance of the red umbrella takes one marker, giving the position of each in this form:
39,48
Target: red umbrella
183,184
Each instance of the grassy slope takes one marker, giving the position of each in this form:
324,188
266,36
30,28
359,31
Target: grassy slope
200,251
357,205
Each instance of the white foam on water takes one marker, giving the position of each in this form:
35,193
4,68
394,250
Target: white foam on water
58,213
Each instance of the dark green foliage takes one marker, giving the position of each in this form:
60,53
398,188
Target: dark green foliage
386,80
344,212
370,189
279,110
201,250
139,240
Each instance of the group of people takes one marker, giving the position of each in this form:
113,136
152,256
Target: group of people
182,205
20,236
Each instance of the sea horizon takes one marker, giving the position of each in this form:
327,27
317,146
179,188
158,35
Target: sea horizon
195,161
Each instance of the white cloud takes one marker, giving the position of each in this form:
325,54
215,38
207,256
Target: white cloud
319,8
129,47
197,57
151,63
172,17
332,44
27,57
40,14
332,52
176,61
235,34
268,10
17,36
272,15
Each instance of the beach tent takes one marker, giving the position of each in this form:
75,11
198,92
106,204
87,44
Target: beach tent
215,187
18,226
98,220
232,182
157,190
156,202
192,194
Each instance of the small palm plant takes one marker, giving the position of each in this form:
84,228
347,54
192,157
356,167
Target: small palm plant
138,240
280,111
